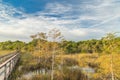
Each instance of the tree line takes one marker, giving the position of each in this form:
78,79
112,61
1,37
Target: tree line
69,47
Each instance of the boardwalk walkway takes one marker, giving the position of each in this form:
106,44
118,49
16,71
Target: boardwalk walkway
7,64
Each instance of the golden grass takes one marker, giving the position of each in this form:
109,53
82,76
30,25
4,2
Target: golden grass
83,59
4,52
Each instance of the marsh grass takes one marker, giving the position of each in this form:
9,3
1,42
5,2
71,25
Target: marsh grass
4,52
29,63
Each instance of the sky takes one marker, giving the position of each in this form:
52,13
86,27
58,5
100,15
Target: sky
76,19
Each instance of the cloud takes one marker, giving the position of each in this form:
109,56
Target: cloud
107,14
15,24
57,8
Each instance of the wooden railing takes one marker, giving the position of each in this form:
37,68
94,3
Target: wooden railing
7,64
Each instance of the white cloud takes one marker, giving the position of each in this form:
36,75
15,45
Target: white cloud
78,32
57,8
12,28
107,14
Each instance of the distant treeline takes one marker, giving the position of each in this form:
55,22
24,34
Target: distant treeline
69,47
91,46
11,45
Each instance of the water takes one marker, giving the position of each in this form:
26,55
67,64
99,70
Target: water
86,70
36,72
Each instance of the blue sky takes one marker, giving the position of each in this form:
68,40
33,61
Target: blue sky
77,19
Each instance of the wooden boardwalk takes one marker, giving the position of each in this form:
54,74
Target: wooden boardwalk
7,64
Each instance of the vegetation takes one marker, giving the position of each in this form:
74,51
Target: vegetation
4,52
49,56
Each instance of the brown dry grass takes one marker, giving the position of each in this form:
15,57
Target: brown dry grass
4,52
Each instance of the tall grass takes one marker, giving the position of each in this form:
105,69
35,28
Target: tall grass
4,52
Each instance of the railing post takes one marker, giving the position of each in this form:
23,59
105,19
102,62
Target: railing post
9,66
5,70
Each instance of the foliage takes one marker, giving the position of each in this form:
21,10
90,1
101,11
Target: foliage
9,45
103,69
48,51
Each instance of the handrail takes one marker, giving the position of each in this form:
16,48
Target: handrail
4,57
1,65
7,66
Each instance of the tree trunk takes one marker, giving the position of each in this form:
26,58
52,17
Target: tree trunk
112,73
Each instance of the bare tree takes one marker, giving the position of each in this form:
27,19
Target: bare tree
42,37
110,38
33,36
32,46
54,36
